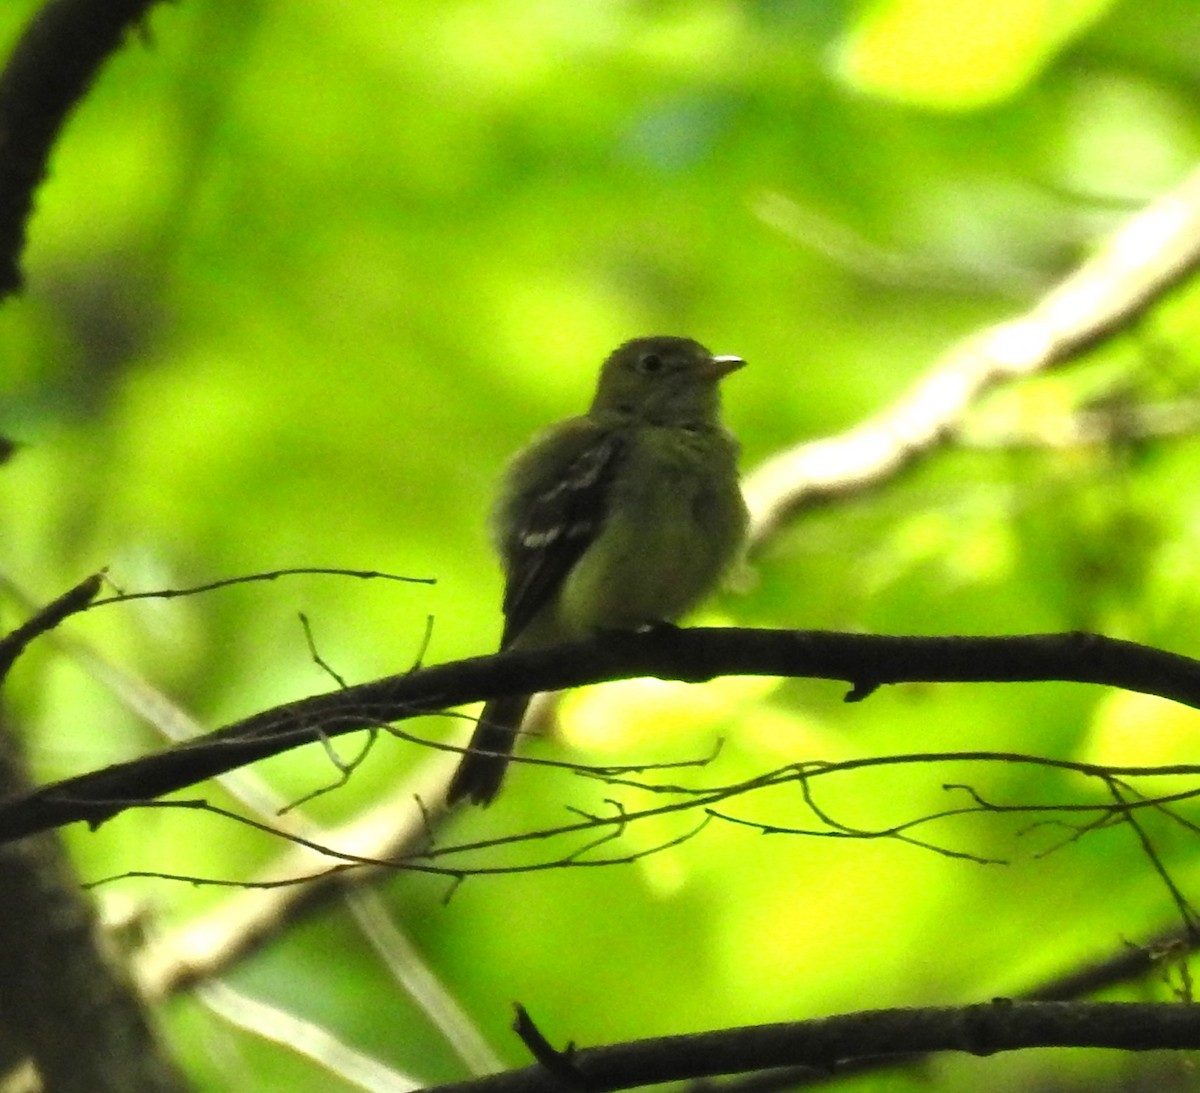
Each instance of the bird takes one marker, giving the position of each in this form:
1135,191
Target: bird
619,519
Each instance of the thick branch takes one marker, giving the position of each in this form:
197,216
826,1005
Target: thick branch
50,70
1152,253
822,1044
865,661
66,1000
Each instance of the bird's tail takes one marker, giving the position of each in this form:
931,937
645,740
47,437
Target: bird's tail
482,768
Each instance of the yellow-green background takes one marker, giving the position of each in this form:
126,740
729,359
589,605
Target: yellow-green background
305,273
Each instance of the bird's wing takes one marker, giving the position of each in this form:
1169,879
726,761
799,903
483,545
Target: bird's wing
557,524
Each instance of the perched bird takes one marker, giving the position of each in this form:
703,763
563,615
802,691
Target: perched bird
618,519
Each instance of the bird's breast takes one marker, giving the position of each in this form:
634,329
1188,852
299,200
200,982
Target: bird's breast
674,523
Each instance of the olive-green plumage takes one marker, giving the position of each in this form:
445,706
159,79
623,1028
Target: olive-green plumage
618,519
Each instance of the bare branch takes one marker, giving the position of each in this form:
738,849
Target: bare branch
71,602
1186,912
457,861
49,71
306,1038
867,661
826,1043
253,578
1128,965
1155,250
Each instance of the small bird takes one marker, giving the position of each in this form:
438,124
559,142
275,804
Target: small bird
619,519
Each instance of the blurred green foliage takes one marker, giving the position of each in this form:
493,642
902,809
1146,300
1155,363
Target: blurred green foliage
305,274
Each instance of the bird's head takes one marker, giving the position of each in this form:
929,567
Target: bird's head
664,381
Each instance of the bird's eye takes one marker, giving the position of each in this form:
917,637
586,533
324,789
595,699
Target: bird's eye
649,362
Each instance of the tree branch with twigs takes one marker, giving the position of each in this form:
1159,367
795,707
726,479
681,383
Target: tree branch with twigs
866,662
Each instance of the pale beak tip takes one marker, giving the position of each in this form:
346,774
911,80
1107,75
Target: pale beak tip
723,365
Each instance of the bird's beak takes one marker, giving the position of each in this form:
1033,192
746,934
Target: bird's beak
719,367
